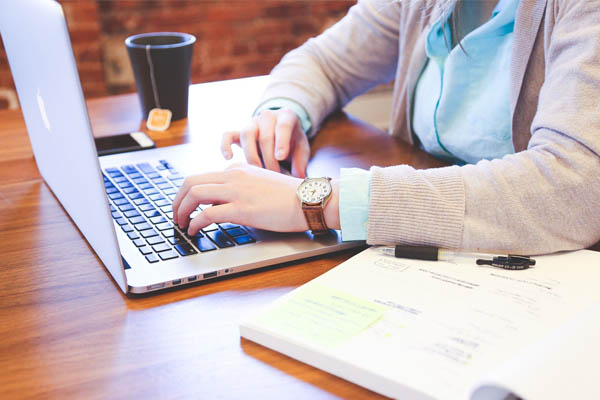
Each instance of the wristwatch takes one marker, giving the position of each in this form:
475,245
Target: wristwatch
314,194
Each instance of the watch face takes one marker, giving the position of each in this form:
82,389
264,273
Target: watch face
313,191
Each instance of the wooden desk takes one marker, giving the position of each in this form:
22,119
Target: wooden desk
67,331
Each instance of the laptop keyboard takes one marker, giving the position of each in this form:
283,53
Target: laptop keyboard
140,198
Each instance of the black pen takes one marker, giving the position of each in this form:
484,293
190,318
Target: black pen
432,253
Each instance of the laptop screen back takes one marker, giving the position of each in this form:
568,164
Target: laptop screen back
41,59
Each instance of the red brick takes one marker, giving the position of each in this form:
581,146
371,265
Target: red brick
231,12
287,9
304,28
88,52
332,7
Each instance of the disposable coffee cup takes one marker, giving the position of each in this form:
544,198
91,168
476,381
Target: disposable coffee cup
161,63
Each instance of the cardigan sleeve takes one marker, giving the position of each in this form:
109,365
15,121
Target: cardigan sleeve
354,55
540,200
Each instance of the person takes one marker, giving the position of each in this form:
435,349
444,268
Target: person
508,91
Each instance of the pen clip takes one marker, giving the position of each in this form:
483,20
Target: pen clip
510,262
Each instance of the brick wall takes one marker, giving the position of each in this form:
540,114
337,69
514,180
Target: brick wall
235,38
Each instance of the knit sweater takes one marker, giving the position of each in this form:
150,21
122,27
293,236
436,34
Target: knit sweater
542,199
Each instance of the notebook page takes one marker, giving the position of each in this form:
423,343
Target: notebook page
445,325
561,366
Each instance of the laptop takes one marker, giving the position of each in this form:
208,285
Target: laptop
122,203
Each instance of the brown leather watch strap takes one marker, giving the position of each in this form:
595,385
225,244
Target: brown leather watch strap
315,219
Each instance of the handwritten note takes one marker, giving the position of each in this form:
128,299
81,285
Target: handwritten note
322,315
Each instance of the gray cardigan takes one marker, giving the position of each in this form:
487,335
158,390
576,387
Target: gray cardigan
544,198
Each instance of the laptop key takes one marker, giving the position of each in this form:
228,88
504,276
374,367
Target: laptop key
131,214
129,169
142,226
202,244
164,226
168,255
121,221
133,235
121,201
154,240
244,239
228,225
125,184
116,214
173,176
209,228
111,190
145,250
161,247
145,167
236,232
152,258
115,195
152,213
175,240
221,239
145,186
155,197
163,203
127,228
170,233
129,190
147,207
141,201
126,207
139,243
148,233
138,220
157,219
135,195
167,209
185,249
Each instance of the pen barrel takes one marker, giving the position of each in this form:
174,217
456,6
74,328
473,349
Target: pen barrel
417,252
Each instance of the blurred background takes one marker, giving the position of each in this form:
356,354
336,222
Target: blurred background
235,39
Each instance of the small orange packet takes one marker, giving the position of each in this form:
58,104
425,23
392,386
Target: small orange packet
159,119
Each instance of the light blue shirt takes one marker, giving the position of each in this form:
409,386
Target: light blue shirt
461,107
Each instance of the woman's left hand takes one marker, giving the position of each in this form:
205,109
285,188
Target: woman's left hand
241,194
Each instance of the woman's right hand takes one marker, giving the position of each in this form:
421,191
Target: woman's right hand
271,136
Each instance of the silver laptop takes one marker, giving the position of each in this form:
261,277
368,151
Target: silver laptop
122,203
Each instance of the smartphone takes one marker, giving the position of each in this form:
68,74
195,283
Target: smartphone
123,143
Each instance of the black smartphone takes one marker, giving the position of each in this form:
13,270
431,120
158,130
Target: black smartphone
123,143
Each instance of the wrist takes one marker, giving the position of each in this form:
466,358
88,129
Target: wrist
332,208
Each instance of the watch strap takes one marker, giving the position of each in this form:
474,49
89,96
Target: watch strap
315,218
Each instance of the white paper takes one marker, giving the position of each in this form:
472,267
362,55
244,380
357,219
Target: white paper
448,325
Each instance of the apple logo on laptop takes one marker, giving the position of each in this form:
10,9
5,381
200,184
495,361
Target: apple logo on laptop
42,107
